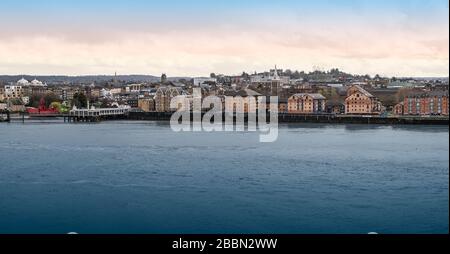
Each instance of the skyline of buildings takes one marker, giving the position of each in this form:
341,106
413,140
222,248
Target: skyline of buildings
332,92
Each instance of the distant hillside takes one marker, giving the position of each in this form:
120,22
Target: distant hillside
82,79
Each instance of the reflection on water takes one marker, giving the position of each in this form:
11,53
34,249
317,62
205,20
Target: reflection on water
349,127
363,127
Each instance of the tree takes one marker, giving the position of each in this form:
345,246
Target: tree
288,72
16,101
49,98
245,75
79,100
103,103
34,100
296,75
163,78
56,105
212,75
335,71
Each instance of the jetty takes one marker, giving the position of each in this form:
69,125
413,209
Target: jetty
96,115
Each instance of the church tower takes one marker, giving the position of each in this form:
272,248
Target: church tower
163,78
275,86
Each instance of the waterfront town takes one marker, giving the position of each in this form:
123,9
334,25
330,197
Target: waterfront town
319,92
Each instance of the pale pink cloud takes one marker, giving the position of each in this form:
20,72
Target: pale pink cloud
391,46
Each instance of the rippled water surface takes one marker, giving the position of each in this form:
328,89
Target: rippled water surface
140,177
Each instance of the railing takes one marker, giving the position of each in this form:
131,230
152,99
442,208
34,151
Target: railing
99,112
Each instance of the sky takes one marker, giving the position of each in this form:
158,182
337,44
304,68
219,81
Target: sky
197,37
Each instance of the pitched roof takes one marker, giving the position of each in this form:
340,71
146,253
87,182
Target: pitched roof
436,93
250,92
362,90
316,96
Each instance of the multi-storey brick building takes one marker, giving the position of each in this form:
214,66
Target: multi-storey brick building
35,90
307,103
426,103
34,87
243,101
359,101
13,92
398,109
146,104
163,97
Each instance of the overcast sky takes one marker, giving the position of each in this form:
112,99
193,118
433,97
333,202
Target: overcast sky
195,38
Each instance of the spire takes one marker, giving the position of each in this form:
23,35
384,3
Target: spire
275,75
276,82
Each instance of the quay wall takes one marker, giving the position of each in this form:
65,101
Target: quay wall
325,118
282,118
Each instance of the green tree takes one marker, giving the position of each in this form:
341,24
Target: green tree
16,101
79,100
288,73
296,75
56,105
50,98
34,100
64,109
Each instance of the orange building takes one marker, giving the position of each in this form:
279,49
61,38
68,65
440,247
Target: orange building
359,101
307,103
243,101
146,104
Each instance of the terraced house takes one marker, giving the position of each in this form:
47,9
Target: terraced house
360,102
307,103
426,103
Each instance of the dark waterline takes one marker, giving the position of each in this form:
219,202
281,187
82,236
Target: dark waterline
140,177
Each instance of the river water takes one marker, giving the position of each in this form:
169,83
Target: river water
141,177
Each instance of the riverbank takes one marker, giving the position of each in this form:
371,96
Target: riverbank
325,118
282,118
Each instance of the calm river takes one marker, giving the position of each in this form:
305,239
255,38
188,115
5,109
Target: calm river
140,177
